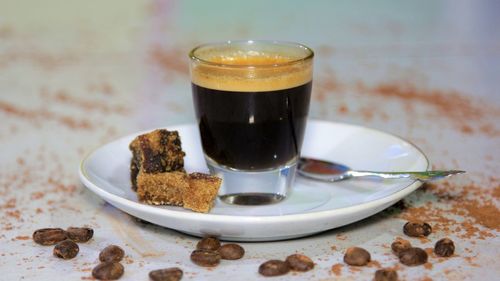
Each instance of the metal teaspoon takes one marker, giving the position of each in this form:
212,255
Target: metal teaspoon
329,171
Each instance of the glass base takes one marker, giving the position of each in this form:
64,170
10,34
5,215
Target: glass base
264,187
252,198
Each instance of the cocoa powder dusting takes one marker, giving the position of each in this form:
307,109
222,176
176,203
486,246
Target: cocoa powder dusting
88,105
496,192
337,269
103,88
487,215
444,104
40,58
374,264
23,237
42,114
9,204
474,116
170,60
325,85
463,202
466,129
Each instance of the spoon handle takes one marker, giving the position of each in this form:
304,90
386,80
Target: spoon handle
421,176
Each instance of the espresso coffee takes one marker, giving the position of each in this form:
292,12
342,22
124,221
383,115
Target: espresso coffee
251,118
252,130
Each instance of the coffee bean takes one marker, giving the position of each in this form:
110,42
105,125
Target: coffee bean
108,271
111,253
167,274
299,262
80,234
444,247
208,243
274,268
386,275
66,249
400,245
49,236
231,252
205,258
417,229
413,257
357,256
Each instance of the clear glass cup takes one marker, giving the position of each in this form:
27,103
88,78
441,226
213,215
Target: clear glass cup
251,100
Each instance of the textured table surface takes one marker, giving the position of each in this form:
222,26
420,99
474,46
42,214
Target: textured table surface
75,75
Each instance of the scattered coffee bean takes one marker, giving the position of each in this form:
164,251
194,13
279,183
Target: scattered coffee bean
400,245
66,249
444,247
111,253
274,268
208,243
49,236
357,256
108,271
299,262
386,275
167,274
205,258
417,229
80,234
413,257
231,252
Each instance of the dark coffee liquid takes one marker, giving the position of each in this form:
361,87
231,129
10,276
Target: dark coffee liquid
252,130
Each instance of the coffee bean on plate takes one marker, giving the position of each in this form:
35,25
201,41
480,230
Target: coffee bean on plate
274,268
299,262
49,236
205,258
231,251
357,256
80,234
108,271
386,275
444,247
413,257
417,229
400,245
166,274
208,243
66,249
111,253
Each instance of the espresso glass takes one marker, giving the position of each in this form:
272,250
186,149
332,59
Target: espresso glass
251,100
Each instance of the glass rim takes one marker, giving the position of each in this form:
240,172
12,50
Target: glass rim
309,56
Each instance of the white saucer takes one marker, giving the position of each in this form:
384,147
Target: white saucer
312,207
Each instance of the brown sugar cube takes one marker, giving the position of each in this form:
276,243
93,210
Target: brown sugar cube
162,188
201,193
156,152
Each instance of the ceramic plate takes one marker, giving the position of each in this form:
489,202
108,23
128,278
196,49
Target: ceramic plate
312,206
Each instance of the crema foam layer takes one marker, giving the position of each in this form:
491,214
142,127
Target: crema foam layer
251,72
